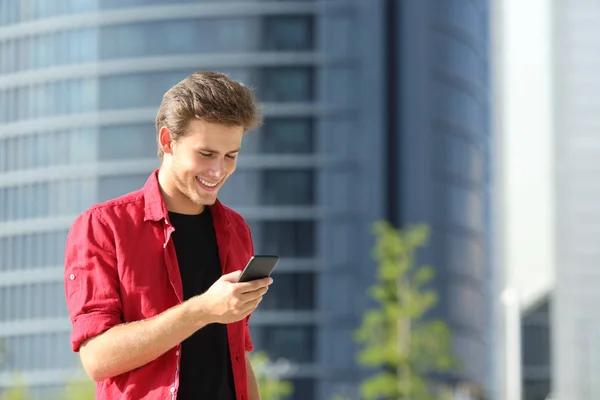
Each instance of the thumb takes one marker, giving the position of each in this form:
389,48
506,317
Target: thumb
231,277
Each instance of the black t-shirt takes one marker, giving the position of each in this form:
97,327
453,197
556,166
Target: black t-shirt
205,371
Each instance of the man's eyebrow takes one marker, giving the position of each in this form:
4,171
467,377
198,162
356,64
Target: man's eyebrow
207,150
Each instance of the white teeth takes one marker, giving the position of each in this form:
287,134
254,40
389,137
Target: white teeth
207,183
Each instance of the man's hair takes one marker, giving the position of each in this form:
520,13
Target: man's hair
208,96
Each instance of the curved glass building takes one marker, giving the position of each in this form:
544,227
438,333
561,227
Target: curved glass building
361,123
443,166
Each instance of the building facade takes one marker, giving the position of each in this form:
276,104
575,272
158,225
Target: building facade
443,165
362,122
574,319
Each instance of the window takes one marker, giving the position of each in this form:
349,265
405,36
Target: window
536,345
106,4
295,344
465,255
459,108
33,301
291,187
110,187
291,33
137,90
11,145
285,84
466,207
82,145
287,135
458,58
463,158
466,306
4,215
35,250
43,150
9,12
40,351
49,99
125,142
288,238
304,388
463,14
293,291
8,56
3,105
185,36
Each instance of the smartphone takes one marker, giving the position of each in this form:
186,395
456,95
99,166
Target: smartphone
258,267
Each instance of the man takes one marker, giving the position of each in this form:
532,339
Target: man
150,276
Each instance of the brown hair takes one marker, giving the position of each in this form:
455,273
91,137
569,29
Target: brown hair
211,97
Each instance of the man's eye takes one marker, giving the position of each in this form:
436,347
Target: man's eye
206,154
232,156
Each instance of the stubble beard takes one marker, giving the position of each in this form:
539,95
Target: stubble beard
190,189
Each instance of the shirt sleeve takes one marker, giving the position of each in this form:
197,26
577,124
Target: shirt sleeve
249,346
91,279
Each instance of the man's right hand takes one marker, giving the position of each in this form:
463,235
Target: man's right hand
227,301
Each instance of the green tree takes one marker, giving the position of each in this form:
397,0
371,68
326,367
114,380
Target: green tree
396,339
270,384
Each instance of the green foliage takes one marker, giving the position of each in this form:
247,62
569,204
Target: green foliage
17,392
79,389
397,341
270,385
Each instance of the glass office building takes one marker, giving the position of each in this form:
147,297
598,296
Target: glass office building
80,83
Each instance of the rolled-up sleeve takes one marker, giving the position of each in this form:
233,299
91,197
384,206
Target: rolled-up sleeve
91,278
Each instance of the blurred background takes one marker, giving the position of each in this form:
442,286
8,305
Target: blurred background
479,118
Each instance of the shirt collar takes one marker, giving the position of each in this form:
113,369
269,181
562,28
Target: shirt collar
155,208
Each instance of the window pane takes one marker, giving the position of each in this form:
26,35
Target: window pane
105,4
32,199
137,90
52,98
39,300
285,84
536,345
288,33
110,187
185,36
288,187
288,238
40,351
287,135
293,343
32,250
292,292
304,388
127,141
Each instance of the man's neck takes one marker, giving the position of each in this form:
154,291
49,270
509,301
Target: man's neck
175,201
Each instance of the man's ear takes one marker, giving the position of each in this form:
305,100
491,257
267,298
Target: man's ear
165,140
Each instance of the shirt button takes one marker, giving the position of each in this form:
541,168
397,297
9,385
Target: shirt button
72,276
172,390
177,353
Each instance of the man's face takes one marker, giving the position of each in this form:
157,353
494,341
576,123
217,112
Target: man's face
203,158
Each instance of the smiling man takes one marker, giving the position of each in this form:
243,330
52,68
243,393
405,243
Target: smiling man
150,277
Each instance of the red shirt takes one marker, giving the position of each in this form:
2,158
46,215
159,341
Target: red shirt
121,266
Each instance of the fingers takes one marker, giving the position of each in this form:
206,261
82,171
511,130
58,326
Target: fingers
245,287
253,295
251,306
231,277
